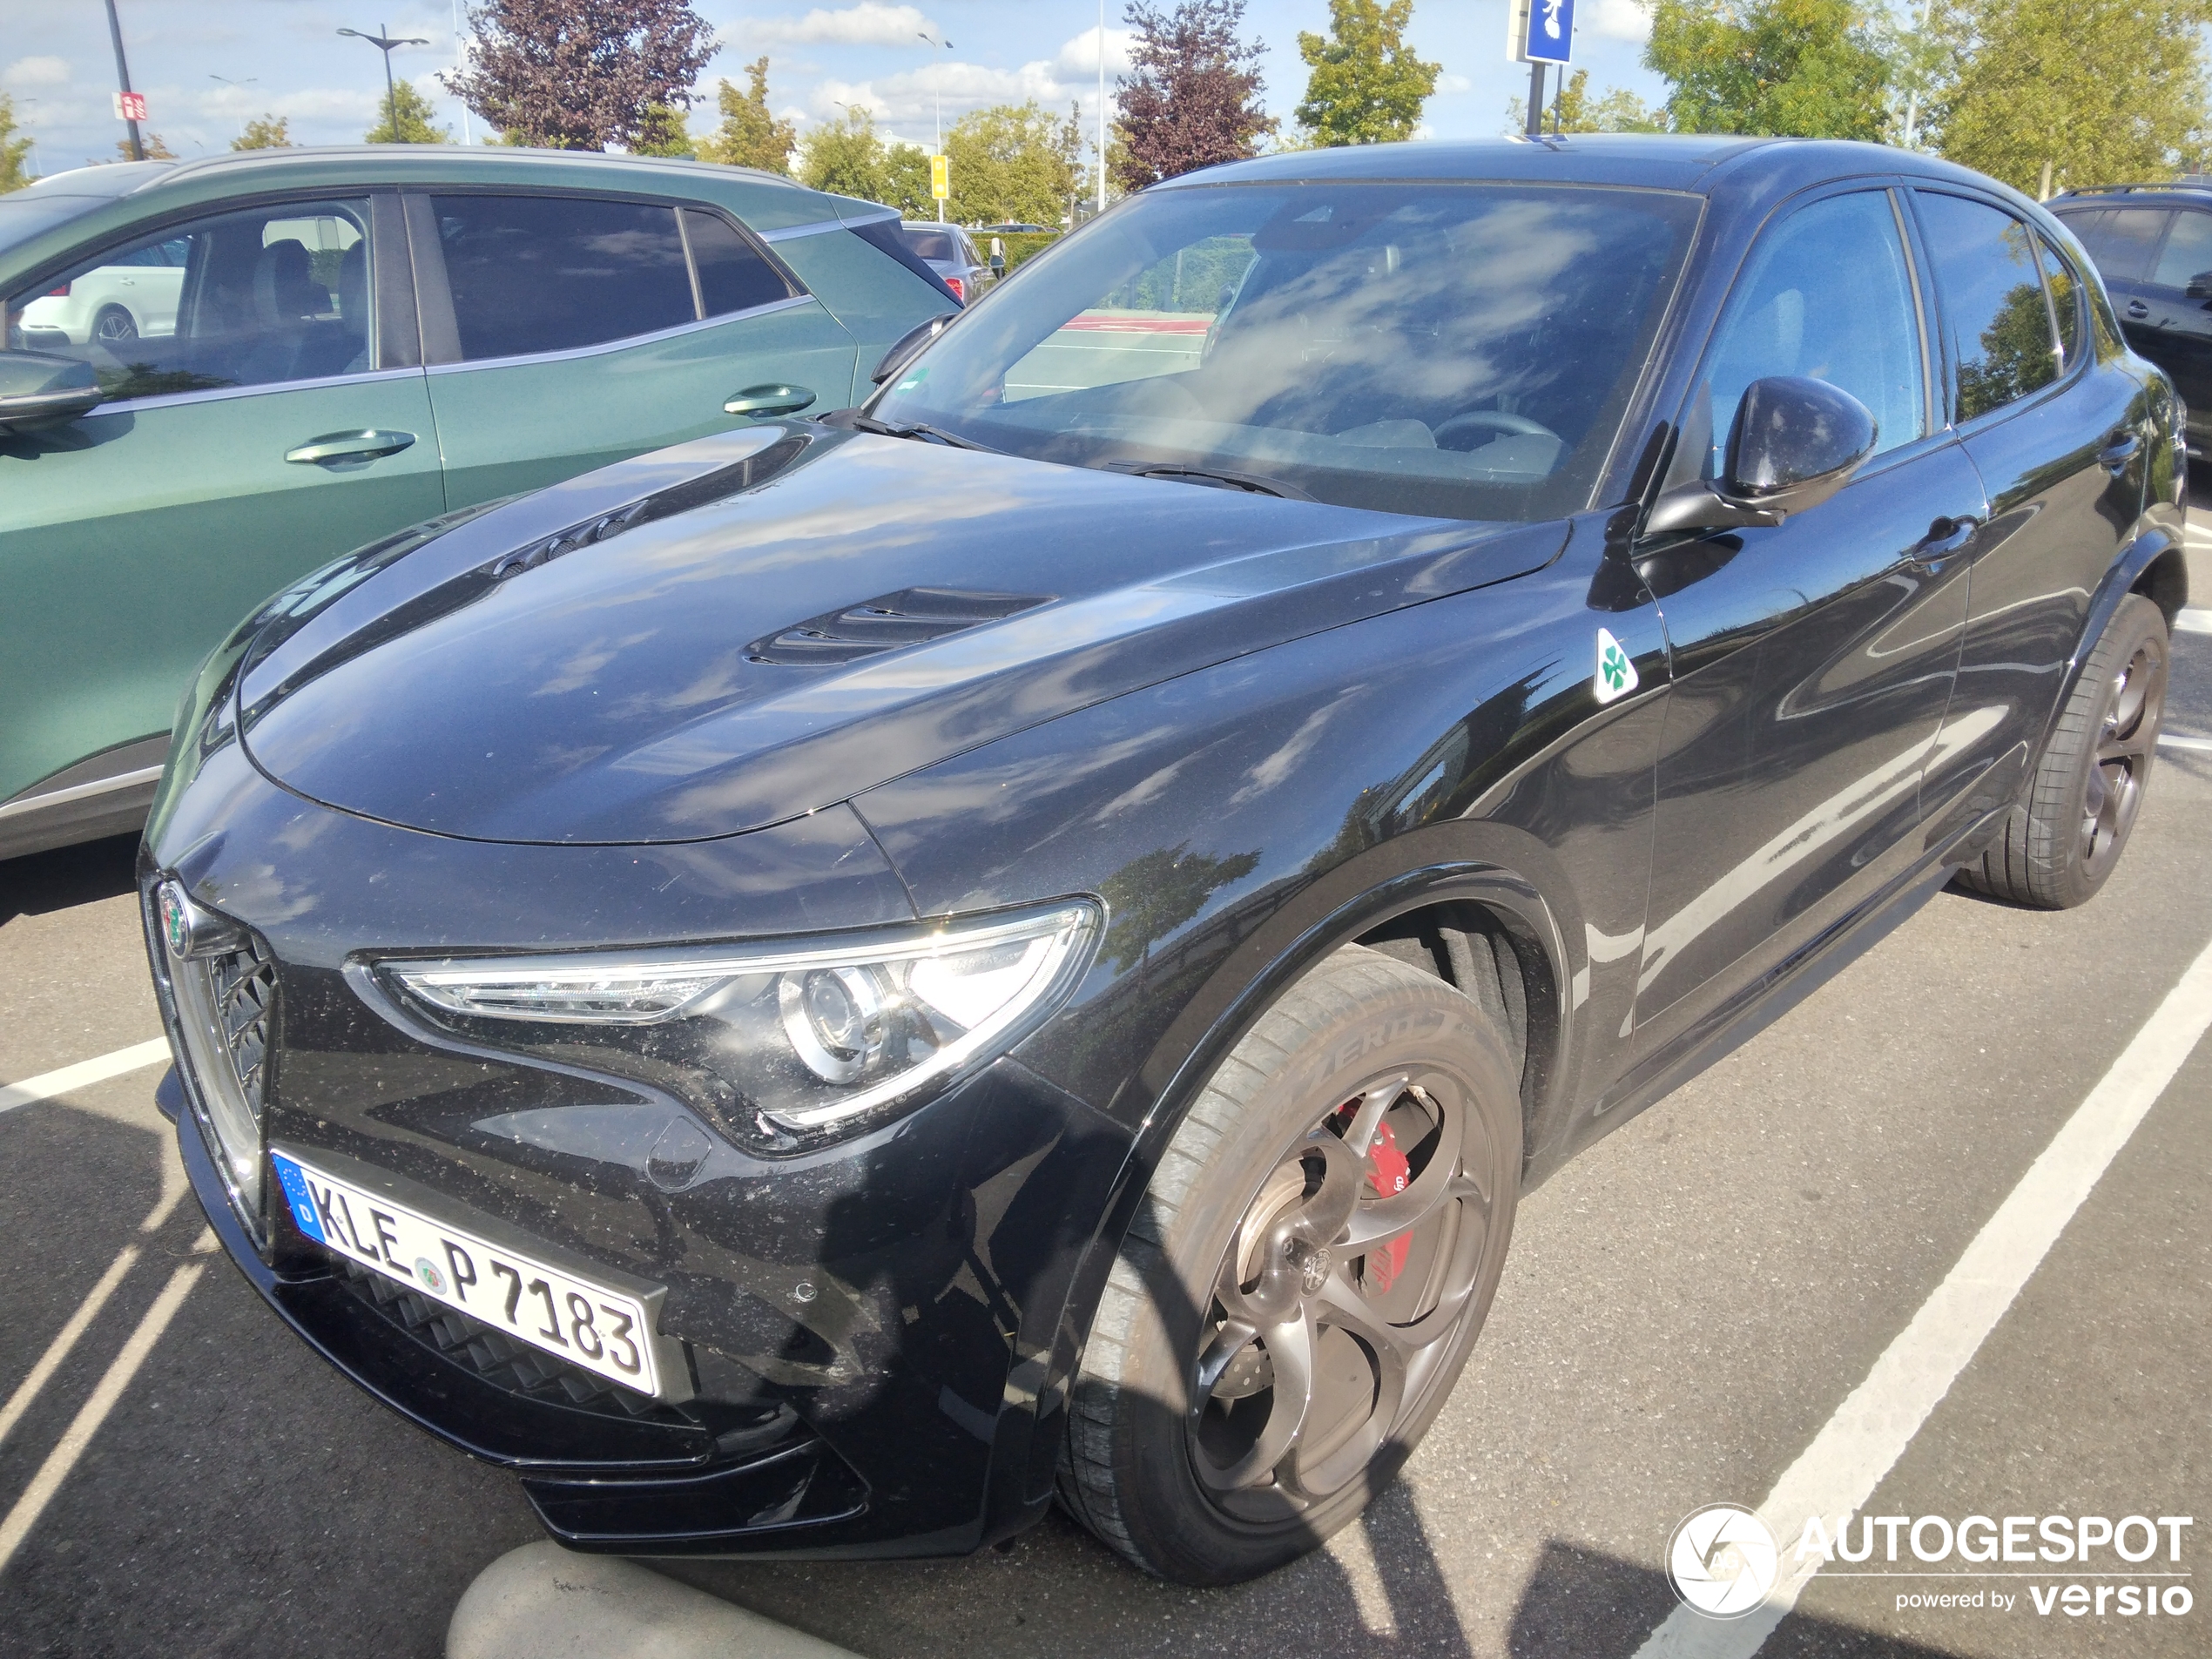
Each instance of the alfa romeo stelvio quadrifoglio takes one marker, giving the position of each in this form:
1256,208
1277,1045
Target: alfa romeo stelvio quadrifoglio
814,991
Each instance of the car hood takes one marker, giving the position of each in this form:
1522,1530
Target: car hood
719,668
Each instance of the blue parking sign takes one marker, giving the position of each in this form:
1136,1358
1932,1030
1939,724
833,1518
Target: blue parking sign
1551,31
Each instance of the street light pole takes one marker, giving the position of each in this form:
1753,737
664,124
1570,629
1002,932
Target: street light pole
1102,105
947,45
382,43
123,77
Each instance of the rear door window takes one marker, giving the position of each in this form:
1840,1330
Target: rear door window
2188,252
2119,240
1995,314
252,297
542,273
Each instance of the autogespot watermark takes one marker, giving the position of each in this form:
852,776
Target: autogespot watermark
1724,1562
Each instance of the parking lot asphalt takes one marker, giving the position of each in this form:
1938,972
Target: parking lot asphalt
1684,1310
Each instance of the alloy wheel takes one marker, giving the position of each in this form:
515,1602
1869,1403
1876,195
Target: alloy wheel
2125,739
1357,1255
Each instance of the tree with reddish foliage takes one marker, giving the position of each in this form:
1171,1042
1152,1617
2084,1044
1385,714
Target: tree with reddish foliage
580,74
1192,98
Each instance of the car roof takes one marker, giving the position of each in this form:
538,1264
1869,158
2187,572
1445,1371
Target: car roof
2197,192
1659,161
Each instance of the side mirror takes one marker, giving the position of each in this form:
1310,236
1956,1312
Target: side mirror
40,389
1795,442
2200,286
909,345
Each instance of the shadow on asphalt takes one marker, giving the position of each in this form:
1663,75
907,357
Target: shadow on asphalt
44,882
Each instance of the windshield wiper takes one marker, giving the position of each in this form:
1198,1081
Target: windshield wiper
918,430
1251,483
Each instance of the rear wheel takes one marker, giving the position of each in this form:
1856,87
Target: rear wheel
2064,840
1314,1259
113,326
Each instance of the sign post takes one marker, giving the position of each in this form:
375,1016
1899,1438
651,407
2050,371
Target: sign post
941,182
1540,32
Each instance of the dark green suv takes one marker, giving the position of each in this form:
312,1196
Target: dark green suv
219,375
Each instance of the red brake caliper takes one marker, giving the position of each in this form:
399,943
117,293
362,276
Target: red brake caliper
1388,1172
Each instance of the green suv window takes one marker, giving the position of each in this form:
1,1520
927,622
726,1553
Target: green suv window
250,298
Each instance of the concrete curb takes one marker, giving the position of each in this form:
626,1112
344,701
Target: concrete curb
541,1602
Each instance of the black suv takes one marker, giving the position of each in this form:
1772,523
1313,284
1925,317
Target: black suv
2154,244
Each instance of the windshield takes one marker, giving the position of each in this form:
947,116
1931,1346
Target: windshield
1449,350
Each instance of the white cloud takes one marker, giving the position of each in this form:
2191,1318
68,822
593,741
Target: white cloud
1078,59
869,23
1620,20
37,72
905,105
1450,85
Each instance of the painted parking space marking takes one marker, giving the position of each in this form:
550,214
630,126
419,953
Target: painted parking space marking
2196,620
16,1526
1869,1430
83,1074
2187,745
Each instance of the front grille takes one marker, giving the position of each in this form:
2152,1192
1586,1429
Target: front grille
495,1356
241,986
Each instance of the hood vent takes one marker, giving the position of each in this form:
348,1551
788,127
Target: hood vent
910,616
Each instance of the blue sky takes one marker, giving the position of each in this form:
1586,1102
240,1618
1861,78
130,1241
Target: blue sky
206,68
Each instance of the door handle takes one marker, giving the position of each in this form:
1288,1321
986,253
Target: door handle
364,445
2119,448
2138,310
769,399
1944,537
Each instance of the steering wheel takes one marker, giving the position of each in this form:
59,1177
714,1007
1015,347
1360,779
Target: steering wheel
1492,421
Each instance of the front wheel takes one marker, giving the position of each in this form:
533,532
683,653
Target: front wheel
2062,841
114,326
1309,1268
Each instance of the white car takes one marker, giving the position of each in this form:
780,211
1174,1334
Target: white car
113,303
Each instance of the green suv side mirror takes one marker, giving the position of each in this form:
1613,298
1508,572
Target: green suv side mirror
37,389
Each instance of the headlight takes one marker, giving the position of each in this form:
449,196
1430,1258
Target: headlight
775,1040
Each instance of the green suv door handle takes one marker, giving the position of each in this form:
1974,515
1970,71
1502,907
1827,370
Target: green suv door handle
769,399
365,445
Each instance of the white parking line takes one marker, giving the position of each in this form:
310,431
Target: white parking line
55,1470
83,1074
2188,746
65,1339
2194,620
1869,1430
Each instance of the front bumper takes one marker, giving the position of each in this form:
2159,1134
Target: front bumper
655,1478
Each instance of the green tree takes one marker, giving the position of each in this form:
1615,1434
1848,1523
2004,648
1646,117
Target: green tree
844,158
13,150
157,147
1013,161
265,133
1809,69
404,118
664,133
1365,84
749,135
2102,91
906,181
1615,110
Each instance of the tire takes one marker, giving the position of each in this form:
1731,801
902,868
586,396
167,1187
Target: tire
1262,1175
113,326
2064,839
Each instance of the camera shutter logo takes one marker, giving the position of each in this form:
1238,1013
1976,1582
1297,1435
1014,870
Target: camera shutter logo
1722,1560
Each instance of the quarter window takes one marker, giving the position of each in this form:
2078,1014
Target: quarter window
2067,300
1827,295
732,274
1999,321
2188,252
242,299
